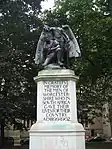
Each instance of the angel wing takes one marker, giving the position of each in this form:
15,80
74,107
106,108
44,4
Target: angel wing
74,50
39,50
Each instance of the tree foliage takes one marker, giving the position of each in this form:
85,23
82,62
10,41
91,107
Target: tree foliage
19,32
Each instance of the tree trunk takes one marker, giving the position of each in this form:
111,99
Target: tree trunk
2,135
110,116
111,128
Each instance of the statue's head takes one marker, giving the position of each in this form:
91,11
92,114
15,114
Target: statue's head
56,22
46,28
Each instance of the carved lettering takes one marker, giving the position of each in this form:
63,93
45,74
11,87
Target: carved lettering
56,101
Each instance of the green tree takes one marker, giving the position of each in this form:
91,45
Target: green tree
19,32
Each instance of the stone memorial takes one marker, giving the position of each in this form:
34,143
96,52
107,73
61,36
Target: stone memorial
56,126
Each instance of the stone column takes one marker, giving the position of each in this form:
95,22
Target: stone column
57,126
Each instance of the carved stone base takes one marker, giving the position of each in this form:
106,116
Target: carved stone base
57,139
57,126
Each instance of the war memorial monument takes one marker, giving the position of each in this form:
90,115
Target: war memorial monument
57,126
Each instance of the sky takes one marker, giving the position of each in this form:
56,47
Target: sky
47,4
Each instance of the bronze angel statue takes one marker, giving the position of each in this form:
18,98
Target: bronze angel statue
55,46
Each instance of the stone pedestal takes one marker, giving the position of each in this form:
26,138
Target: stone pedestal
57,126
